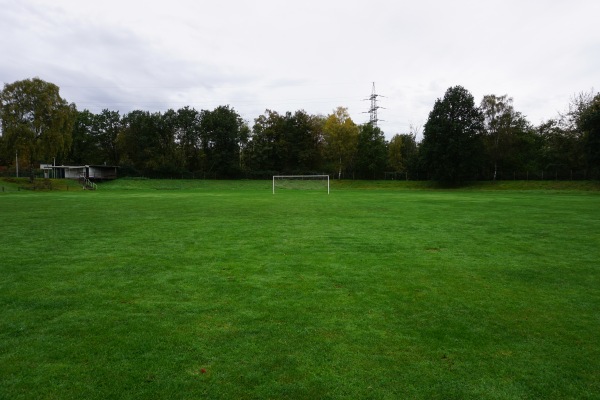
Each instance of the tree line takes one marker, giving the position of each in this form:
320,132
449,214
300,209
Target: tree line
461,141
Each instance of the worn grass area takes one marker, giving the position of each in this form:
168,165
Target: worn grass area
226,291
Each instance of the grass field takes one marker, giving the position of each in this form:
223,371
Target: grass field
221,290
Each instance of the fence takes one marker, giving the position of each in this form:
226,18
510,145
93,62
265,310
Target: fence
556,174
8,185
550,174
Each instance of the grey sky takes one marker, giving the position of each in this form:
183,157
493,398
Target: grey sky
311,55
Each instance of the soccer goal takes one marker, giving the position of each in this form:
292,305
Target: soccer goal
301,182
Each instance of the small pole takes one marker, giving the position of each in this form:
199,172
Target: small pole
17,158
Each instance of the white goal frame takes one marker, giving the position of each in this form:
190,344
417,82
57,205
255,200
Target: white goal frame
300,177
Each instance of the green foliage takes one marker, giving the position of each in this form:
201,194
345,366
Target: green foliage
140,140
84,148
510,141
267,148
340,137
187,134
223,291
461,142
5,155
569,140
560,145
95,138
107,127
290,143
222,133
303,138
403,153
36,121
452,148
590,125
163,144
371,152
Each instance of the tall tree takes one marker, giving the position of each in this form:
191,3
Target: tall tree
497,112
84,148
522,147
395,157
133,141
559,146
222,131
302,138
167,157
106,129
36,121
288,143
403,153
187,135
340,136
148,143
451,147
3,150
267,144
507,134
589,123
371,152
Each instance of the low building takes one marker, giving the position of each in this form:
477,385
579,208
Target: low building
91,172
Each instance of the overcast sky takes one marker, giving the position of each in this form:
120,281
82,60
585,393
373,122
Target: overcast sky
312,55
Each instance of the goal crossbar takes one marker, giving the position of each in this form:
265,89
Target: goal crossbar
301,177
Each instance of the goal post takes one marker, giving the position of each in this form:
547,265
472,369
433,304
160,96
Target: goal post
301,182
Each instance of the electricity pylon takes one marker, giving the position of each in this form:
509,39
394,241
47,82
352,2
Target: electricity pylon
373,119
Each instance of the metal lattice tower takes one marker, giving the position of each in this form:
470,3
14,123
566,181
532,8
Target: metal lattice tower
373,119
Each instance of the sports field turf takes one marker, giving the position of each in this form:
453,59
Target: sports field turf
221,290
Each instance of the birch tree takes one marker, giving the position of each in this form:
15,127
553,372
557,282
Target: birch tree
340,134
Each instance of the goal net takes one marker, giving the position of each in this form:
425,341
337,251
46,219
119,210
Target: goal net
301,182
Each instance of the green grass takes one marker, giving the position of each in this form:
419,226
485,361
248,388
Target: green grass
221,290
